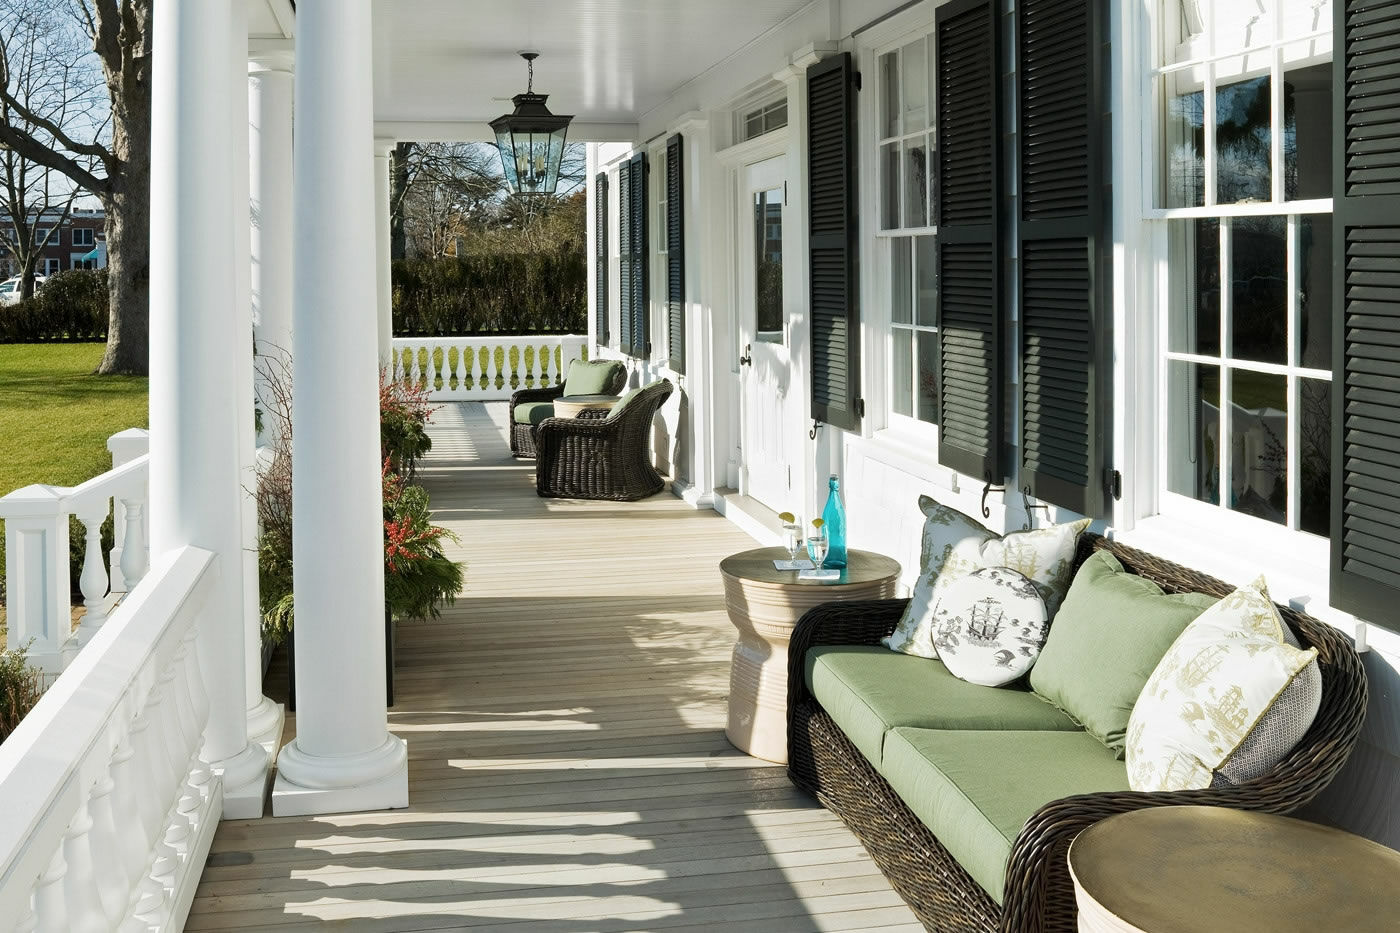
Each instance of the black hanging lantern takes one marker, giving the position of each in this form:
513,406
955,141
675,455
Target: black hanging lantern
531,140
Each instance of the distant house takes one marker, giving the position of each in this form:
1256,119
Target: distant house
79,243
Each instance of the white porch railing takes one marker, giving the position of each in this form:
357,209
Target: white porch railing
36,518
108,808
484,369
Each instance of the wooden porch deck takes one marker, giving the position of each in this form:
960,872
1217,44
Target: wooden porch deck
568,770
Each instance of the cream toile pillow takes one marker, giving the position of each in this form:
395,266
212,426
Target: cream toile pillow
954,545
1214,687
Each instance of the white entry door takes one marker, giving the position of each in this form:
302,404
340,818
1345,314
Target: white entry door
764,336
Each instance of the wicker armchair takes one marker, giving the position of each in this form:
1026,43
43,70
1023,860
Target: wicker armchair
1039,895
522,438
601,455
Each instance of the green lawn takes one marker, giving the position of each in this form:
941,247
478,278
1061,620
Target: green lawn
56,416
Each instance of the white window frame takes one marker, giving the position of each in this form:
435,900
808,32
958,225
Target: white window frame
1196,54
765,113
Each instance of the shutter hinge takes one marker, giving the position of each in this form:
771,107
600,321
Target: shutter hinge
860,407
855,77
1113,483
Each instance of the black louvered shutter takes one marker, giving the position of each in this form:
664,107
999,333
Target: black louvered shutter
600,258
1063,266
624,248
639,304
1366,340
831,211
970,293
675,254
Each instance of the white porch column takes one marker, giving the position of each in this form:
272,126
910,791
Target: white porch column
343,757
383,267
264,716
194,320
270,175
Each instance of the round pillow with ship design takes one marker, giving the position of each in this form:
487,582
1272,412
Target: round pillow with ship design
989,626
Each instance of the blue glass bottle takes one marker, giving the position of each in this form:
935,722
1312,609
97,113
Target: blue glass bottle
834,524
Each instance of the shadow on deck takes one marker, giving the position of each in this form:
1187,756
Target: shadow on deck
568,766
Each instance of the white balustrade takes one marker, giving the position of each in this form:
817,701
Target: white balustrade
484,369
37,554
109,809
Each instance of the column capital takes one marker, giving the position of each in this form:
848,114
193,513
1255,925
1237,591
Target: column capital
804,58
273,61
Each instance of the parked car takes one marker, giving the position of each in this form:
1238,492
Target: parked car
10,290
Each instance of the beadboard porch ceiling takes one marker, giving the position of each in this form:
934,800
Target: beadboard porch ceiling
608,62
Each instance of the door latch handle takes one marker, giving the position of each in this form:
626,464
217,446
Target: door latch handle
747,358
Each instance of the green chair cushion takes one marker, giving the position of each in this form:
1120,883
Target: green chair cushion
976,790
1105,642
591,377
868,689
533,412
622,403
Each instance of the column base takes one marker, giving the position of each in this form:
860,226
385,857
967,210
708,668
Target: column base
245,779
265,722
378,781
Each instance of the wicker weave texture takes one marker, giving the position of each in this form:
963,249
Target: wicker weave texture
1039,895
601,456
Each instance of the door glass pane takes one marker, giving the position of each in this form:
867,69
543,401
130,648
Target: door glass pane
1194,266
902,362
1259,444
1315,456
928,377
915,87
1315,290
1243,136
889,182
900,281
915,184
1259,289
768,234
1183,142
926,280
1307,132
1193,426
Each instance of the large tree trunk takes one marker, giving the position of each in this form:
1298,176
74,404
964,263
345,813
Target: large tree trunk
129,273
398,187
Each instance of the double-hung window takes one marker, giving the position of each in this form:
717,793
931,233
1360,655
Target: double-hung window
1242,208
907,217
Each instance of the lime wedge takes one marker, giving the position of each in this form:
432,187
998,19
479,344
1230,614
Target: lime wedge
786,517
817,523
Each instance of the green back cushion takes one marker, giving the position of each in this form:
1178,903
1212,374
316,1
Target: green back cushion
627,399
1105,642
591,377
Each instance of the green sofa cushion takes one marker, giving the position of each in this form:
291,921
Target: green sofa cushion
591,377
868,689
976,790
1105,642
533,412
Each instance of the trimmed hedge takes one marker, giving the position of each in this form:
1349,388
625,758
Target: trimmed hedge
71,306
491,293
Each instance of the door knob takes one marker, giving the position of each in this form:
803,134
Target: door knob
747,358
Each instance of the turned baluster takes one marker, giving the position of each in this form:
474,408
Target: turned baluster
135,560
92,582
153,791
431,381
86,913
50,905
133,843
116,877
417,373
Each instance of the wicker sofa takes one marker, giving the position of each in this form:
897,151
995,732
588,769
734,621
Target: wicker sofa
529,407
1059,783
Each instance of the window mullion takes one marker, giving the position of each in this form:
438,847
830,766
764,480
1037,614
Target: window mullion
1226,484
1276,115
1208,127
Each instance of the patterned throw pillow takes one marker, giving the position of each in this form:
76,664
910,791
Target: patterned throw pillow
989,626
955,545
1211,691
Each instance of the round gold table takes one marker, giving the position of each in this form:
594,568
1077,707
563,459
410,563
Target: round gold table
1199,869
569,406
764,605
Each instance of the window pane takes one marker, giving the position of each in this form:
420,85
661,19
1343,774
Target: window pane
775,117
1193,426
1259,444
915,87
932,181
1243,136
1315,291
915,184
1259,288
1183,142
1315,456
889,196
926,280
928,377
903,365
1307,133
768,278
901,281
889,81
1195,286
